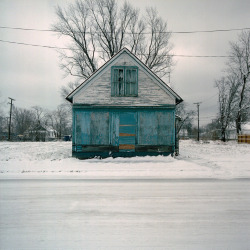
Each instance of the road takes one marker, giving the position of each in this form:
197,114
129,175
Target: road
125,214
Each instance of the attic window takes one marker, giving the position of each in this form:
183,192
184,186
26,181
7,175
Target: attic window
124,81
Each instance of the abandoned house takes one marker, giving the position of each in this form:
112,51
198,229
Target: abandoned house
123,109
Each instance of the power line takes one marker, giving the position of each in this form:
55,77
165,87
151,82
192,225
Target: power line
24,29
204,117
208,31
34,45
55,47
160,32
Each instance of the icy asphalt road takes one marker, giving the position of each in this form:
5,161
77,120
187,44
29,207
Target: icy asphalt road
125,214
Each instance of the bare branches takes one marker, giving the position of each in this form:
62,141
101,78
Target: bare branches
65,90
157,52
59,120
234,89
186,117
74,23
227,88
240,66
98,29
23,120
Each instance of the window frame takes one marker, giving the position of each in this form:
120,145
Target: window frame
124,68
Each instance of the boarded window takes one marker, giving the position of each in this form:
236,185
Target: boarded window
124,81
130,88
165,128
118,85
99,128
82,130
156,128
148,128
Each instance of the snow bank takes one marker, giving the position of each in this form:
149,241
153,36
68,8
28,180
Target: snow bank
53,160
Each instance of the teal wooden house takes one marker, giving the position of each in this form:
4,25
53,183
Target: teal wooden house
123,109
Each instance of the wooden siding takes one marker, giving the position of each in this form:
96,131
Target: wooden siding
129,130
91,128
99,91
99,132
82,131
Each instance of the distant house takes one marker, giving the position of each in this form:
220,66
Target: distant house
40,133
183,134
246,129
123,109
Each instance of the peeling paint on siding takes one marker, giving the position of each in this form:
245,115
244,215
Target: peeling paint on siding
99,92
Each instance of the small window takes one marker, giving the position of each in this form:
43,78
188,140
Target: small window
118,82
124,81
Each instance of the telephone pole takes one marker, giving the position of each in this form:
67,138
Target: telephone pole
198,109
168,77
11,104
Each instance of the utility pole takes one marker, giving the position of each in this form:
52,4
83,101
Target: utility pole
168,77
11,100
198,109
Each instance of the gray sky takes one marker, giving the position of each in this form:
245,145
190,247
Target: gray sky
31,75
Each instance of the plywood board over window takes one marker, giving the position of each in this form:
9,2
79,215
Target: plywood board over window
124,81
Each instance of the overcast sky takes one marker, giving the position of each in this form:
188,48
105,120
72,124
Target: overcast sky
31,75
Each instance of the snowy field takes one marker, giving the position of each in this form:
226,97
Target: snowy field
85,214
196,160
199,200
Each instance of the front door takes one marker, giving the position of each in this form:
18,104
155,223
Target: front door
127,132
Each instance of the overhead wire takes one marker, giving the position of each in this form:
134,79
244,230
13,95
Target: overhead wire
173,32
55,47
161,32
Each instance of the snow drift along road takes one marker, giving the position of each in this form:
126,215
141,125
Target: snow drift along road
196,160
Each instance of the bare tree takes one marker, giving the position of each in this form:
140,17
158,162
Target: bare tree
60,120
3,118
39,115
227,89
156,53
239,65
97,29
37,130
234,89
75,24
65,90
186,117
23,120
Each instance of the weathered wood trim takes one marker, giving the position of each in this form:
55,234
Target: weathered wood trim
88,155
97,148
92,106
111,148
125,134
154,148
128,125
126,146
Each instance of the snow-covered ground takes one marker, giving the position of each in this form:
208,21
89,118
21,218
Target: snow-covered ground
124,214
198,200
213,159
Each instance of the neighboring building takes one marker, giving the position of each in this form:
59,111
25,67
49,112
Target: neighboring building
183,134
40,133
245,129
123,109
231,133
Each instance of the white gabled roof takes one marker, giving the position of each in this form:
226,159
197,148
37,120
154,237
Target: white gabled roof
163,85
